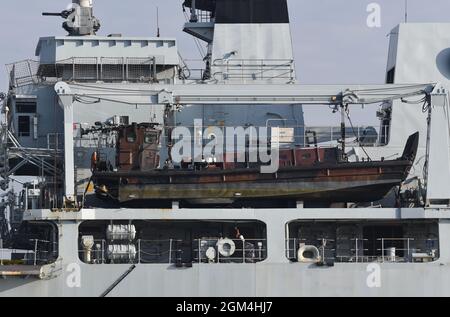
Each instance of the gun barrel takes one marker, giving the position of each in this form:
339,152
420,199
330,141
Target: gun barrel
51,14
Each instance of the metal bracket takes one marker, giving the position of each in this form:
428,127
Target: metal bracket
62,88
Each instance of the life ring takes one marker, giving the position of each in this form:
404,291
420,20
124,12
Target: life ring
226,247
309,254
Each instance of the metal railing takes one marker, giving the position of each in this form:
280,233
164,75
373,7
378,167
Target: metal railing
254,69
303,136
192,69
132,69
323,245
159,251
240,69
412,251
43,255
245,251
43,252
173,251
23,73
200,16
55,141
147,252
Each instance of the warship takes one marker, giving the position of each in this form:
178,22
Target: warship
96,203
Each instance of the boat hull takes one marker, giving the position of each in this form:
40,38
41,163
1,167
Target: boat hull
346,182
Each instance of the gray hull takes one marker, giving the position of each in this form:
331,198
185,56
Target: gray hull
276,276
261,280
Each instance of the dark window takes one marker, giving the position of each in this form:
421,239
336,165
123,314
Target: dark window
25,107
390,78
125,120
131,136
252,11
24,126
151,138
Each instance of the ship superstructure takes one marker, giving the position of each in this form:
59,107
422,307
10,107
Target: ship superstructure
97,106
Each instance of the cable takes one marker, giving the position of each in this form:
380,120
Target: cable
426,106
197,42
347,112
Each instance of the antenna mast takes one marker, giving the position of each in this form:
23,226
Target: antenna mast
406,11
158,33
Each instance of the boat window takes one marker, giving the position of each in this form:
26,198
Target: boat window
151,138
24,126
131,136
125,120
180,243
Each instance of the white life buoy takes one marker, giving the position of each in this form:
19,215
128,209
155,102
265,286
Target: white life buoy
309,254
226,247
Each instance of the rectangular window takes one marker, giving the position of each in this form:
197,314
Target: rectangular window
125,120
252,11
24,126
26,107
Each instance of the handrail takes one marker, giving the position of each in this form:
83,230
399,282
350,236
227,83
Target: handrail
358,252
22,73
255,69
368,136
243,69
246,251
250,251
36,255
133,69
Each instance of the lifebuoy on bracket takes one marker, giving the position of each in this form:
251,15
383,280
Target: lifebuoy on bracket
309,254
226,247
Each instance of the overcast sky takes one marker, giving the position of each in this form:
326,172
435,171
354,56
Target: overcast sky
332,41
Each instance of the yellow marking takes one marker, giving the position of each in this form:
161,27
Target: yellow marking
91,187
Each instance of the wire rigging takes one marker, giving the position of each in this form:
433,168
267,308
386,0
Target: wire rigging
347,112
196,41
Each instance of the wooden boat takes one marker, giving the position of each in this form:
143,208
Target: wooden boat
307,174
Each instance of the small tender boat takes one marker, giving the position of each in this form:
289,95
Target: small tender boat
306,174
